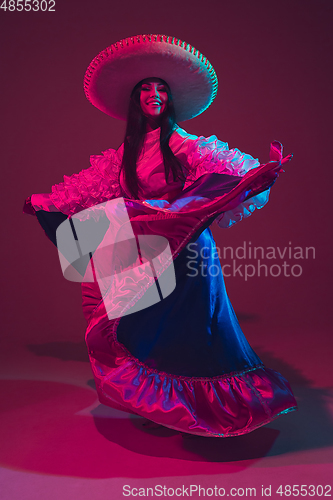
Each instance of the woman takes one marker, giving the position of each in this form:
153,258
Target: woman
175,355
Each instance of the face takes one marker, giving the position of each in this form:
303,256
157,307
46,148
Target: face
153,97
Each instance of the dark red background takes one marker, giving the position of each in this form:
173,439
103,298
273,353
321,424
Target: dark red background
273,61
274,64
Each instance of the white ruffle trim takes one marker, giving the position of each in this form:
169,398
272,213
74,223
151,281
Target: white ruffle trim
245,209
91,186
209,155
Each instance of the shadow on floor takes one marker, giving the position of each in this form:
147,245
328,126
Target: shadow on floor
66,351
309,428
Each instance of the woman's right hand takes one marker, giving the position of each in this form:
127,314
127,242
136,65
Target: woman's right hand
43,202
28,208
37,202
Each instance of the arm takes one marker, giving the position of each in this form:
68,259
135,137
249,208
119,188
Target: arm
209,155
261,192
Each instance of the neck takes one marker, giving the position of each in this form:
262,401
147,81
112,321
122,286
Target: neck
152,124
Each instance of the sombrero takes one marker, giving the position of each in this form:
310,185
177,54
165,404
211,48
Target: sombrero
112,75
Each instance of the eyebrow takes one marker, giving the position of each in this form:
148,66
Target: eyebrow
159,84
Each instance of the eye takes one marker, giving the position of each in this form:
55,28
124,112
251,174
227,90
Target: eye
162,89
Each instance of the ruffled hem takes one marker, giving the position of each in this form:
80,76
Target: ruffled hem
226,406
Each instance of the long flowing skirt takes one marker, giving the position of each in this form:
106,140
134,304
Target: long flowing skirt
181,359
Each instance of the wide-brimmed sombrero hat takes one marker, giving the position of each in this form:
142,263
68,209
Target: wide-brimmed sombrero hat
112,75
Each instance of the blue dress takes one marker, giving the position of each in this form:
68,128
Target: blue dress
178,358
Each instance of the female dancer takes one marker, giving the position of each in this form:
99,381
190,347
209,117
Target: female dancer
174,354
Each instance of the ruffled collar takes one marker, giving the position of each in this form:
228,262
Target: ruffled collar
155,131
155,134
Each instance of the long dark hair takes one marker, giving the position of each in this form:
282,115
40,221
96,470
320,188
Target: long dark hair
134,139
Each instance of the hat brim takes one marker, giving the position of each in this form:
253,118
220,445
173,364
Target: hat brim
112,75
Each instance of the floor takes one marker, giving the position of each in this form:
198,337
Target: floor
58,442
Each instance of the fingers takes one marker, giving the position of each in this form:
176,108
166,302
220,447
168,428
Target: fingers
286,159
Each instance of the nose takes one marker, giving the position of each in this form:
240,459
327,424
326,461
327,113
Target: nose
154,92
